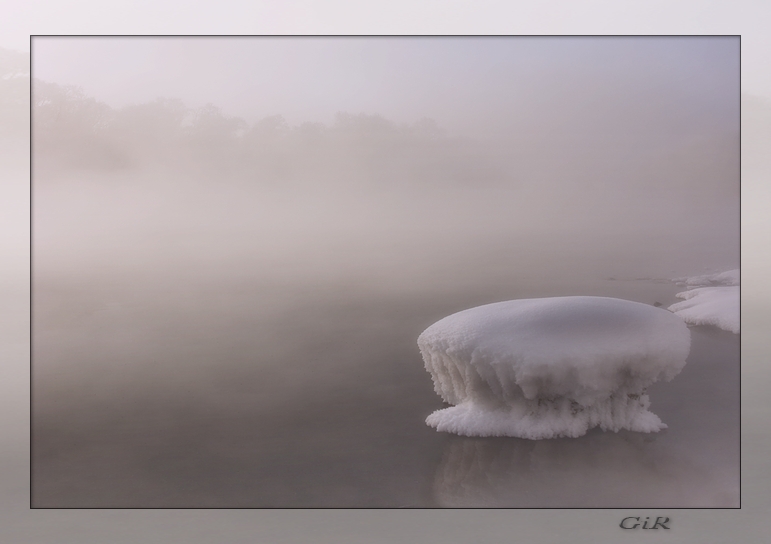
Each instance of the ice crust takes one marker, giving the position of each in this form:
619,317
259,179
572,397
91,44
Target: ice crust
552,367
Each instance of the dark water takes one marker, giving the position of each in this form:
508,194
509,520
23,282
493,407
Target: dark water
244,391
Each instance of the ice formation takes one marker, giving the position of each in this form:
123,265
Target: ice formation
551,367
718,306
713,301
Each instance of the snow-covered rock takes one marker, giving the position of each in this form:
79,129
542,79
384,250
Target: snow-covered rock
551,367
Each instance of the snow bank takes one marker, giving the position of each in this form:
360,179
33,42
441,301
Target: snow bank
712,299
550,367
718,306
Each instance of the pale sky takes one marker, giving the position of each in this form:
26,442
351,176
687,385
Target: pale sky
472,84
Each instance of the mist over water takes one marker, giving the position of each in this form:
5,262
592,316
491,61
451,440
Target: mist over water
225,312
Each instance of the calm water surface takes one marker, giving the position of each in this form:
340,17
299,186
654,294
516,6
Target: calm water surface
206,391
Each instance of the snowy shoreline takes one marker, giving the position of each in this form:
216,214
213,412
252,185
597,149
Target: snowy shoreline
711,299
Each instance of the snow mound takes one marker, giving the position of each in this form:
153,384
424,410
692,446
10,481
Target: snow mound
718,306
713,301
551,367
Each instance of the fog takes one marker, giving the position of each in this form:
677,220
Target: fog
595,147
236,243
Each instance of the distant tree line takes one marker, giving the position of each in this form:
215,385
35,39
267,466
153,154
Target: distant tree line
74,131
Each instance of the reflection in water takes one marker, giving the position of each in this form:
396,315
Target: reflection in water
600,469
